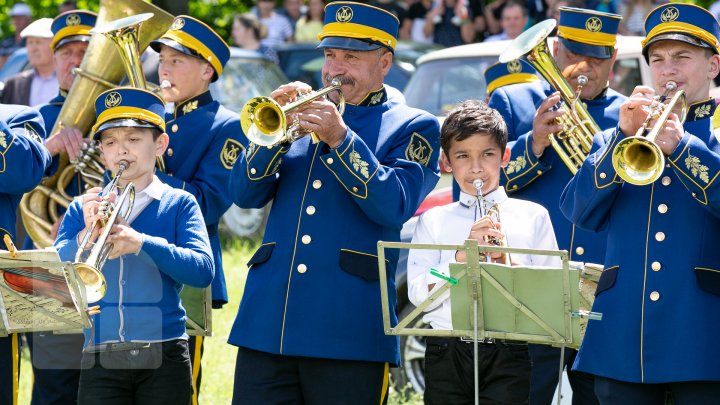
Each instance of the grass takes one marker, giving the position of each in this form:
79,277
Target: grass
219,357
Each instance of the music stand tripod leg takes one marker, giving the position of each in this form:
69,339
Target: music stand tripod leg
560,371
475,343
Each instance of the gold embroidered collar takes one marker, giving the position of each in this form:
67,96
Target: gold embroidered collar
192,104
700,110
374,98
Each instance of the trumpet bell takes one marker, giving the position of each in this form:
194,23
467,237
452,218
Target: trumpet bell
638,161
93,280
263,121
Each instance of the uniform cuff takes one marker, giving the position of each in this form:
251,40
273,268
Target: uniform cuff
694,165
605,173
353,164
526,167
264,161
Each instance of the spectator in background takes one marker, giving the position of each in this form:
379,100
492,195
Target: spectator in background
514,17
310,25
493,13
279,28
392,6
67,6
21,16
477,10
293,11
449,23
634,13
605,6
554,11
37,85
412,26
248,31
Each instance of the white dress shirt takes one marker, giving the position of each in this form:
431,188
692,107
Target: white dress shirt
525,224
42,89
154,191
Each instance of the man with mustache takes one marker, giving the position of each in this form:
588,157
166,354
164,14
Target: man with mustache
585,47
309,328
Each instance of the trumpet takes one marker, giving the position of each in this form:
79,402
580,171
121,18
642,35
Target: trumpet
638,159
264,121
90,258
494,213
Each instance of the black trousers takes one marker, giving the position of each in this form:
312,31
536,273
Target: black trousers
56,367
159,374
270,379
614,392
544,379
503,369
9,368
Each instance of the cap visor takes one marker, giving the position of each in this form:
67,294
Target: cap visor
123,122
350,44
592,51
155,45
72,38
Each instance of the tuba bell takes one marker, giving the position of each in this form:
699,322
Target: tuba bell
573,143
103,66
264,121
638,159
90,257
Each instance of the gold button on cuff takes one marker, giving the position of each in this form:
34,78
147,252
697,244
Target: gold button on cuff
654,296
539,172
660,236
354,189
306,239
662,208
329,161
693,194
514,187
310,210
301,268
579,250
603,175
656,266
253,171
170,152
666,181
317,184
174,128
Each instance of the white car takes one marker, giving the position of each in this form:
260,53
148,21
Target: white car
451,75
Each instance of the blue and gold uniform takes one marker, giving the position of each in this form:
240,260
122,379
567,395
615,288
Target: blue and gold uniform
56,358
312,289
541,179
23,161
660,291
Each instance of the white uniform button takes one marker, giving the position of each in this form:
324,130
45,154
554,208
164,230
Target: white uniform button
306,239
656,266
603,175
660,236
654,296
170,152
662,208
301,268
317,184
579,250
329,161
666,181
310,210
252,170
174,128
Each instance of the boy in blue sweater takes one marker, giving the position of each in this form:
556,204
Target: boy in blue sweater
136,351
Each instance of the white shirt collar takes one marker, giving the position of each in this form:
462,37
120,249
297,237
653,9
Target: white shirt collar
497,196
154,190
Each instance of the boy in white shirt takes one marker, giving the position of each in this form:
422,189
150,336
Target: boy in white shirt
474,139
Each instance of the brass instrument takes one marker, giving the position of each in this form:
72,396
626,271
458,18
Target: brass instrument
573,143
494,213
638,159
90,257
264,121
102,67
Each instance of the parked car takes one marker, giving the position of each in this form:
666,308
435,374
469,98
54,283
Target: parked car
303,62
445,77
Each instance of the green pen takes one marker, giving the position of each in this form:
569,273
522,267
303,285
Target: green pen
437,274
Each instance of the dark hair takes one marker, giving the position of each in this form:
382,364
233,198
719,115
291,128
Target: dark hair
250,21
473,117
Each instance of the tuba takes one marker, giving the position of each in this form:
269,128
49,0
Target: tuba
90,257
103,66
638,159
573,143
265,121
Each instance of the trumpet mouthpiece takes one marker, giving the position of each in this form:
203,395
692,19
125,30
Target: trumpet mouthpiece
165,84
478,184
582,80
671,86
122,165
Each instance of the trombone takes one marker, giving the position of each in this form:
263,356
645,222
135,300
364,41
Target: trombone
264,121
90,257
638,159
